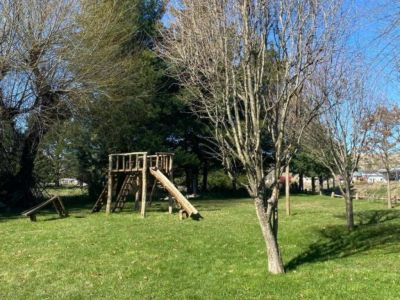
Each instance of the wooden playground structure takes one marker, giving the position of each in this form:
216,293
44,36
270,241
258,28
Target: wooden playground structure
130,174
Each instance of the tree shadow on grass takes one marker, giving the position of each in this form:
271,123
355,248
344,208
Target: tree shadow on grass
370,217
337,242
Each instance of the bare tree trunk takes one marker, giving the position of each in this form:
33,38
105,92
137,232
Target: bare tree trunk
349,206
301,182
313,184
268,224
321,184
389,196
234,183
24,180
287,191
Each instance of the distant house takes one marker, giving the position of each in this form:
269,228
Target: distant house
394,173
376,178
370,177
70,182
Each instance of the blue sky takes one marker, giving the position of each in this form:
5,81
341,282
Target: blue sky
379,49
371,18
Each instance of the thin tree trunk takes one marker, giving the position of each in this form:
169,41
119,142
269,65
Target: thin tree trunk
313,184
195,184
301,182
234,183
265,217
321,184
349,207
287,191
389,196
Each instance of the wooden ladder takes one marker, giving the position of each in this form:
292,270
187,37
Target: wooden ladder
127,187
101,201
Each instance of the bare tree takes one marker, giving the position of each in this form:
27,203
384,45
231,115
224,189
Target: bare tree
338,138
35,83
53,55
249,65
385,138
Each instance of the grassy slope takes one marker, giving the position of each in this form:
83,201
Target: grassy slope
221,257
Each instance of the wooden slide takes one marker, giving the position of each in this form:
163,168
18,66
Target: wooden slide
174,192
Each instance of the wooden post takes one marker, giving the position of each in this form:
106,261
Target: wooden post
110,185
171,178
333,195
144,186
357,196
137,194
287,191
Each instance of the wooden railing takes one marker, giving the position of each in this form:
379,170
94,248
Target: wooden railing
136,161
127,162
162,161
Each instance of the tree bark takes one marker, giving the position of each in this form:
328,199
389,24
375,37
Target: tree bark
24,180
287,191
389,196
265,219
349,206
321,184
234,183
313,184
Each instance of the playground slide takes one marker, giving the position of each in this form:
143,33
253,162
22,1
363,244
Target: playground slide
174,192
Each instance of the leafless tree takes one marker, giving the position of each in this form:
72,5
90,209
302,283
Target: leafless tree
47,66
339,136
35,83
250,64
385,138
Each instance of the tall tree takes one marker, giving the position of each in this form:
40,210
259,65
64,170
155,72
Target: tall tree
36,87
249,65
129,87
339,137
385,139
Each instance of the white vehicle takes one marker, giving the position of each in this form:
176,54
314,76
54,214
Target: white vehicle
375,179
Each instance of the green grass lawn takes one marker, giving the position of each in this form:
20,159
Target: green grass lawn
92,256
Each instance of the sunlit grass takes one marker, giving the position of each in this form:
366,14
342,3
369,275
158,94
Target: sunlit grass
121,256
